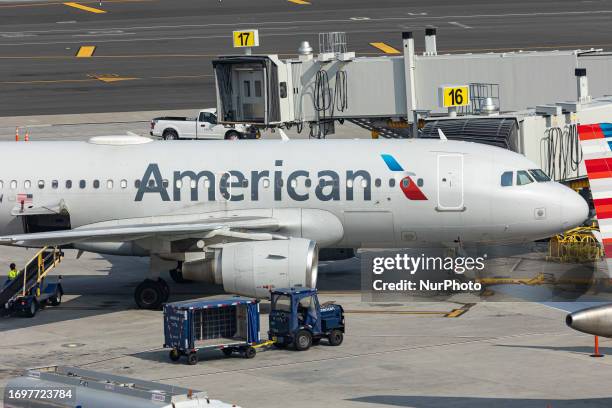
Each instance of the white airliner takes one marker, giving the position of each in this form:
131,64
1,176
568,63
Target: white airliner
252,214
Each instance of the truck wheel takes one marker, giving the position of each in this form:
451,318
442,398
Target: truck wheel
335,337
149,295
170,135
56,300
303,340
232,135
31,312
175,355
227,351
192,358
250,352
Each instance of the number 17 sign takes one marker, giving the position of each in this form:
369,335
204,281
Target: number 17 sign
246,38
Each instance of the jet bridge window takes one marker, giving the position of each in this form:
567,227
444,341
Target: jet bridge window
539,175
506,178
522,178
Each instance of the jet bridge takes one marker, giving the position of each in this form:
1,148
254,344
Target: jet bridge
389,94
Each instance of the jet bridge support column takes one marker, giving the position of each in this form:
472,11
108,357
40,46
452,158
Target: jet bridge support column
409,65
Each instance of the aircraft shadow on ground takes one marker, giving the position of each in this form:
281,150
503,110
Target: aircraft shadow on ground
112,290
415,401
573,349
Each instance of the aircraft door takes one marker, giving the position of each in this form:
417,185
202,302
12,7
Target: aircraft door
450,182
252,100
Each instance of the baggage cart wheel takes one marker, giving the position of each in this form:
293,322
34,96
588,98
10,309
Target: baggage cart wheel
250,352
335,337
303,340
175,355
192,358
227,351
31,312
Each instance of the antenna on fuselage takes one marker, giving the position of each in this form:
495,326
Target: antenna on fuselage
441,134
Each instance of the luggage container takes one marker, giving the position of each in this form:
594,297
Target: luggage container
229,324
69,387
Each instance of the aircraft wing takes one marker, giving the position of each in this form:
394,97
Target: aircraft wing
239,229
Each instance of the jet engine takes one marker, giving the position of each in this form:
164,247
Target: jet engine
593,320
252,268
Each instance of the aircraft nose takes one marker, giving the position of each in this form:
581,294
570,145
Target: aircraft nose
574,209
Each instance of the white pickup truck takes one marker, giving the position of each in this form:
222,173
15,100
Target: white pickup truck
205,126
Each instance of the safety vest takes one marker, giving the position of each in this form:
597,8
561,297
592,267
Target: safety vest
13,274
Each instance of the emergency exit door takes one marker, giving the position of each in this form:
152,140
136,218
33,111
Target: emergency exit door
450,182
251,95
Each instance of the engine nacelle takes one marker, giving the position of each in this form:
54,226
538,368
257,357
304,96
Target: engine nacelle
252,268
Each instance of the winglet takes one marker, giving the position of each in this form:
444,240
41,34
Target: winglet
442,135
283,135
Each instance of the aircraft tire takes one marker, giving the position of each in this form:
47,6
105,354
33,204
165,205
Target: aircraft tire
165,289
149,295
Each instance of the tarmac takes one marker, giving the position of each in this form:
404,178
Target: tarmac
415,354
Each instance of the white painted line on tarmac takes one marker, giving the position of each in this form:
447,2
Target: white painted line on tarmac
459,24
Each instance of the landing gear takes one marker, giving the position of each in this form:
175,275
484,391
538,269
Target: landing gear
150,294
177,275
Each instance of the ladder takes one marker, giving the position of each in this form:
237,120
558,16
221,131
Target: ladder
30,278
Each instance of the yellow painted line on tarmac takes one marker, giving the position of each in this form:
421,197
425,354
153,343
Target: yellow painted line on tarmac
86,51
55,3
85,8
456,313
299,1
110,78
386,48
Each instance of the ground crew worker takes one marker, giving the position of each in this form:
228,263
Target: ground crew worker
13,272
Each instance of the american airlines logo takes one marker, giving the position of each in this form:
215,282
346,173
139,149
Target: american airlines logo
235,185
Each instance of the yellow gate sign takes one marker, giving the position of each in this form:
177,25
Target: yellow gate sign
246,38
454,95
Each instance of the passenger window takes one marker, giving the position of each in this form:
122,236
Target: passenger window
392,182
206,183
41,184
266,183
54,184
245,183
420,182
151,183
405,182
1,184
96,184
349,183
506,179
82,184
377,182
13,184
165,183
27,184
308,183
179,184
192,184
123,183
109,184
364,183
294,183
539,175
522,178
68,184
137,183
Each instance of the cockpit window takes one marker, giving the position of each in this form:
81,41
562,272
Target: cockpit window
506,179
522,178
539,175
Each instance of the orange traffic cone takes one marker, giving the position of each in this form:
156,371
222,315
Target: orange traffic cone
17,134
27,136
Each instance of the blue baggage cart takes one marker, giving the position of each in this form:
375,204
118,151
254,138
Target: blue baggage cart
228,324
